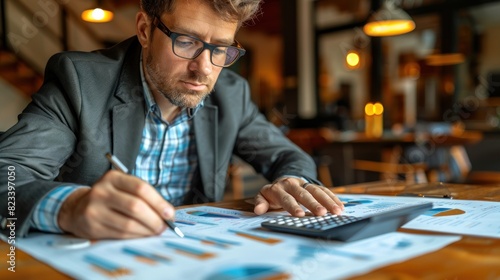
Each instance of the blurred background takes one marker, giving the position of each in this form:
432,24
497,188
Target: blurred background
313,68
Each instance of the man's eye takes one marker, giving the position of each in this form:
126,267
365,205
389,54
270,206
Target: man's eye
219,51
184,43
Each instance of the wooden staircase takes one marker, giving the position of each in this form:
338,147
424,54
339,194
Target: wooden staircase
18,73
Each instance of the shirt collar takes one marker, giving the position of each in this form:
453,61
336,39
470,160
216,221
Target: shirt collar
151,105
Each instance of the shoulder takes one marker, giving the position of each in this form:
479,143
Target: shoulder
229,76
110,57
231,95
230,85
88,79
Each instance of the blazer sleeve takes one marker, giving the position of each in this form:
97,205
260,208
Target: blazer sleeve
33,150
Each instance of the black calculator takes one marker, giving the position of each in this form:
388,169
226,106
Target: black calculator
347,228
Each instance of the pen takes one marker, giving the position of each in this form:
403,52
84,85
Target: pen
445,196
121,167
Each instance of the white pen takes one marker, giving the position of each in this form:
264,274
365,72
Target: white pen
121,167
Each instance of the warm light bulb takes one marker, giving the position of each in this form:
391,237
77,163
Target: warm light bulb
369,109
389,20
97,15
378,109
389,27
352,59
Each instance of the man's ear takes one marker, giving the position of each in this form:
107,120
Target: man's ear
143,30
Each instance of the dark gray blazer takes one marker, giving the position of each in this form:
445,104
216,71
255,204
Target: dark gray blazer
92,103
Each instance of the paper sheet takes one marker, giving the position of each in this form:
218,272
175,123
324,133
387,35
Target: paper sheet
465,217
227,244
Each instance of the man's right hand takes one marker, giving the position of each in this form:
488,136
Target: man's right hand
117,206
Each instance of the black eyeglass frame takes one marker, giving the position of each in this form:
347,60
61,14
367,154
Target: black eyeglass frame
173,36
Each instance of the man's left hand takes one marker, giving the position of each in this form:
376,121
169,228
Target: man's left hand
289,193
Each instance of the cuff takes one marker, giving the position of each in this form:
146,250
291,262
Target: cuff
45,214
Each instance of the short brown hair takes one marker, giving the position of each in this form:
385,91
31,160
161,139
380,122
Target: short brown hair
229,10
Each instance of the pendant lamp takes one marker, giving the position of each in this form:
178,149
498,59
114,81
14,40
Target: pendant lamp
389,20
97,14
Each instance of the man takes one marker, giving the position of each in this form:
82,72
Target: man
163,104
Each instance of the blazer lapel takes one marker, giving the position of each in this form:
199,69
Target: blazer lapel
205,129
129,116
128,123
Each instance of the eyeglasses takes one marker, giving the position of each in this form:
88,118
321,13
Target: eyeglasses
189,47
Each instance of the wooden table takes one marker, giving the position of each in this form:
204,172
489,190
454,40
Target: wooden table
469,258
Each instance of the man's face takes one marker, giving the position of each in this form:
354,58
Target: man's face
184,82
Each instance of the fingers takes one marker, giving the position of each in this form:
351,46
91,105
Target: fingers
309,201
122,226
144,191
105,223
276,198
289,193
130,197
117,206
326,198
261,204
136,210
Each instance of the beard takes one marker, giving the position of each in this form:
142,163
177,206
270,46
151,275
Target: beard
182,98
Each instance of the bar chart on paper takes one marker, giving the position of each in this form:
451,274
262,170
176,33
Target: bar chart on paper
106,267
206,218
212,241
190,251
256,237
145,256
211,215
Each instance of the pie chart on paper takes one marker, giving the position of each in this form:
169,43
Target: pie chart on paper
443,212
251,272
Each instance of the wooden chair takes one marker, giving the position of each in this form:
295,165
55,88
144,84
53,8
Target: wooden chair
461,163
412,173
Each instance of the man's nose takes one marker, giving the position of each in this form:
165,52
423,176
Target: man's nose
202,63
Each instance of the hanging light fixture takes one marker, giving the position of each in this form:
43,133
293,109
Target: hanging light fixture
97,14
389,20
355,56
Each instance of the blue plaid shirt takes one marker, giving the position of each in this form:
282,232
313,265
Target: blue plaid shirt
167,160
